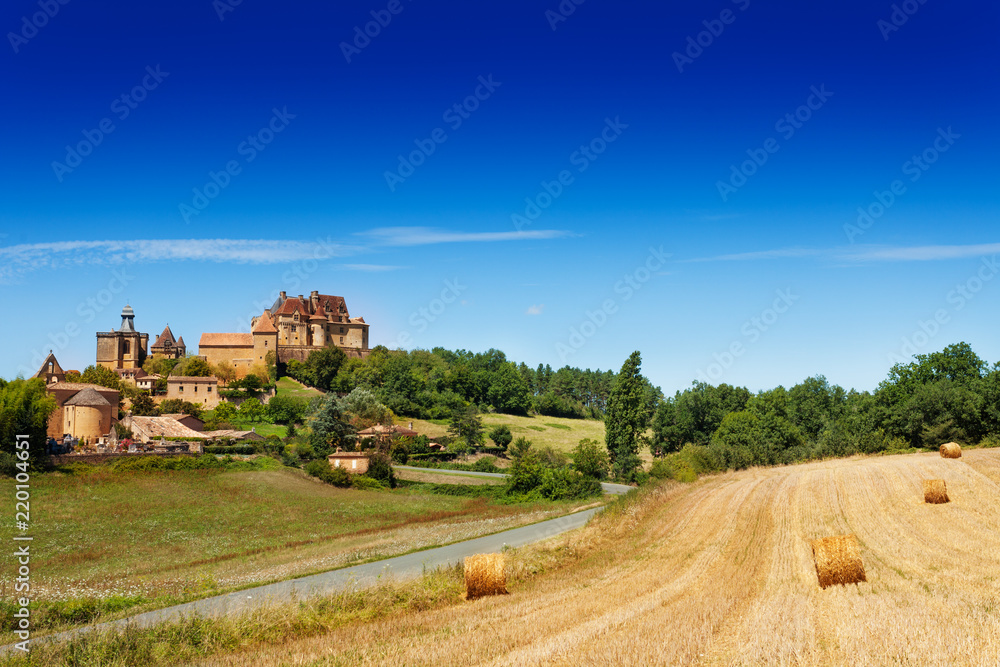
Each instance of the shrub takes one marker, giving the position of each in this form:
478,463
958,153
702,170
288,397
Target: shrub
8,464
364,483
485,464
591,459
380,468
321,469
501,435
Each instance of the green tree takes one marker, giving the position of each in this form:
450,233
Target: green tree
285,409
225,371
319,369
330,428
177,406
143,406
365,410
501,435
103,376
508,392
692,416
626,419
591,459
526,471
467,426
25,408
225,412
251,410
192,366
380,468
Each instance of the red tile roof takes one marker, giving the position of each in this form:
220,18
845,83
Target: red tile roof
290,306
166,337
264,324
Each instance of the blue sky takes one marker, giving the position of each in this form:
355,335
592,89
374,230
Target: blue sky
194,158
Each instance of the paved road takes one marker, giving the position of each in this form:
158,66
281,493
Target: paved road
358,576
616,489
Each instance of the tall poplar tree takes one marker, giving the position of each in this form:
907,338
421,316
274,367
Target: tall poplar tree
625,420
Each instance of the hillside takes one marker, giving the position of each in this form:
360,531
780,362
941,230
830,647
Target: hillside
720,572
556,432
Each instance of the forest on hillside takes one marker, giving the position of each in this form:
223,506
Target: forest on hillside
433,384
938,397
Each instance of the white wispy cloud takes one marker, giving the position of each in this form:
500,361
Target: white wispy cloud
920,253
865,253
407,236
535,309
370,267
18,260
779,253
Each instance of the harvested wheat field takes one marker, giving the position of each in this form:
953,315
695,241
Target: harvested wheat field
721,572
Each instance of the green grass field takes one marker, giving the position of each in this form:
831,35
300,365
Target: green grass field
178,535
558,433
287,386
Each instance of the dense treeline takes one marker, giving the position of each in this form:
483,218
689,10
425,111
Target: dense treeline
434,384
939,397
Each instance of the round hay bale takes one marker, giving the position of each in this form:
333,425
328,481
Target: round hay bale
935,491
951,450
838,560
484,575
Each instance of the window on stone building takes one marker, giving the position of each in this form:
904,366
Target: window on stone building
126,347
341,339
341,329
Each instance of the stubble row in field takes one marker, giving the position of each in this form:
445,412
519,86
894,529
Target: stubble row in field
720,572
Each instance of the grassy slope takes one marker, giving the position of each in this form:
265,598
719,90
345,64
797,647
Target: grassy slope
720,572
556,432
184,534
287,386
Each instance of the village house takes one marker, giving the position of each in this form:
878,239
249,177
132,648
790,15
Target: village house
148,382
355,463
203,391
383,434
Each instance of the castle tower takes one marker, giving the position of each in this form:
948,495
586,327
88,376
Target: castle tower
317,322
125,348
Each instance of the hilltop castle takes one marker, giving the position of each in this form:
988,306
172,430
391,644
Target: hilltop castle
292,327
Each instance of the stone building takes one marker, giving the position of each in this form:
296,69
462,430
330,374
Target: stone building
355,463
50,370
168,346
293,327
85,411
125,348
202,391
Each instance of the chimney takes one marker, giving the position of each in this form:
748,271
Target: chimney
283,295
